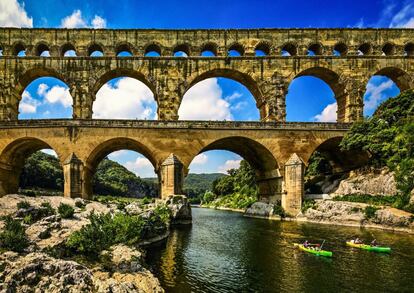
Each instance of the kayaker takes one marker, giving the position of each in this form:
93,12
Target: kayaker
374,242
357,241
306,244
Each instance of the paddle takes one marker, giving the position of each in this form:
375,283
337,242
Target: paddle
323,242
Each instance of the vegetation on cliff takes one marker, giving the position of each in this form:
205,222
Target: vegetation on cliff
388,136
237,190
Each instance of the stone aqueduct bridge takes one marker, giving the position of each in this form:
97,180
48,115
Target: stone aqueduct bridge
276,150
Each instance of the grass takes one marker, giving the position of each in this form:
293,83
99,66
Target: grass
66,211
23,205
370,212
13,236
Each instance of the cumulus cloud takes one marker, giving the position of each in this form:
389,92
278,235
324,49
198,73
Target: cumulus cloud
117,154
141,167
200,159
28,104
56,94
376,93
13,14
128,98
76,20
229,164
328,114
49,152
205,102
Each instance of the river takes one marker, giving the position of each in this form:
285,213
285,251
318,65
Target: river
225,252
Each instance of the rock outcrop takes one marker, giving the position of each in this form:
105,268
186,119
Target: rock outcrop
259,209
180,209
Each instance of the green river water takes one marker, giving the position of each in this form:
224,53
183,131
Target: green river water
226,252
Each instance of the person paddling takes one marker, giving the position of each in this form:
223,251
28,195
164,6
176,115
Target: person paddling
374,242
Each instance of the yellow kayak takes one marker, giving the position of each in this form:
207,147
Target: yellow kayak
368,247
313,251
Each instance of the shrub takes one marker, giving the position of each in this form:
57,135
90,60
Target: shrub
370,212
23,205
48,210
278,210
14,236
79,204
30,193
307,204
66,211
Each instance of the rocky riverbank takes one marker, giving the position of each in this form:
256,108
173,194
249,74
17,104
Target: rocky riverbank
45,246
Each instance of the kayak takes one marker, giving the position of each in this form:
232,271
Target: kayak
369,247
313,251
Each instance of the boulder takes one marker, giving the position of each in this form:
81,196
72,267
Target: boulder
123,258
259,209
180,209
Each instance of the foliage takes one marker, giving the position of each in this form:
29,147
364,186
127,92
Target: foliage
370,212
196,185
307,204
43,171
369,199
13,236
279,210
318,164
114,179
79,204
23,205
388,136
105,230
48,210
66,211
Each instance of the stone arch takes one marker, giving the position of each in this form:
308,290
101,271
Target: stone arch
18,47
105,148
36,72
103,78
210,46
12,159
388,49
365,49
290,48
245,79
341,48
316,47
67,47
265,47
41,47
236,47
153,47
184,47
260,159
408,49
400,77
124,47
93,47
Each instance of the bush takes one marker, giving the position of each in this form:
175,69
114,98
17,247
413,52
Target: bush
48,210
23,205
79,204
278,210
66,211
14,236
30,193
307,204
370,212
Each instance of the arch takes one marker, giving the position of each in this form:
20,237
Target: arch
209,47
33,73
289,49
65,48
256,154
388,49
262,49
95,47
154,47
325,74
243,78
185,48
236,47
315,49
124,47
340,49
365,49
13,157
19,47
409,49
400,77
1,50
122,72
116,144
41,48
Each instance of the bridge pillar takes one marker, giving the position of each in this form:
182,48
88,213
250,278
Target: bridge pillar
350,104
82,97
169,94
294,185
9,179
72,172
274,93
172,176
270,186
9,100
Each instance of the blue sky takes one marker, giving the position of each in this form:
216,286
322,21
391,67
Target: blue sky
309,99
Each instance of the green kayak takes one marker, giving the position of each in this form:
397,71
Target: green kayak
369,247
313,250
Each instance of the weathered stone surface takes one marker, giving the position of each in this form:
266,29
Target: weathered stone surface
124,258
180,209
259,209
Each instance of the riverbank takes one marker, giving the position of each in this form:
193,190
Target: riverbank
79,245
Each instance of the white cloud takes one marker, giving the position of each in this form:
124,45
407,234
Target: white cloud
205,101
229,164
404,18
50,152
376,93
76,20
141,167
128,98
233,96
13,14
328,114
57,94
117,154
200,159
28,104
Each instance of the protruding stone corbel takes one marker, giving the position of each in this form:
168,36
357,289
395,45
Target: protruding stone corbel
294,185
